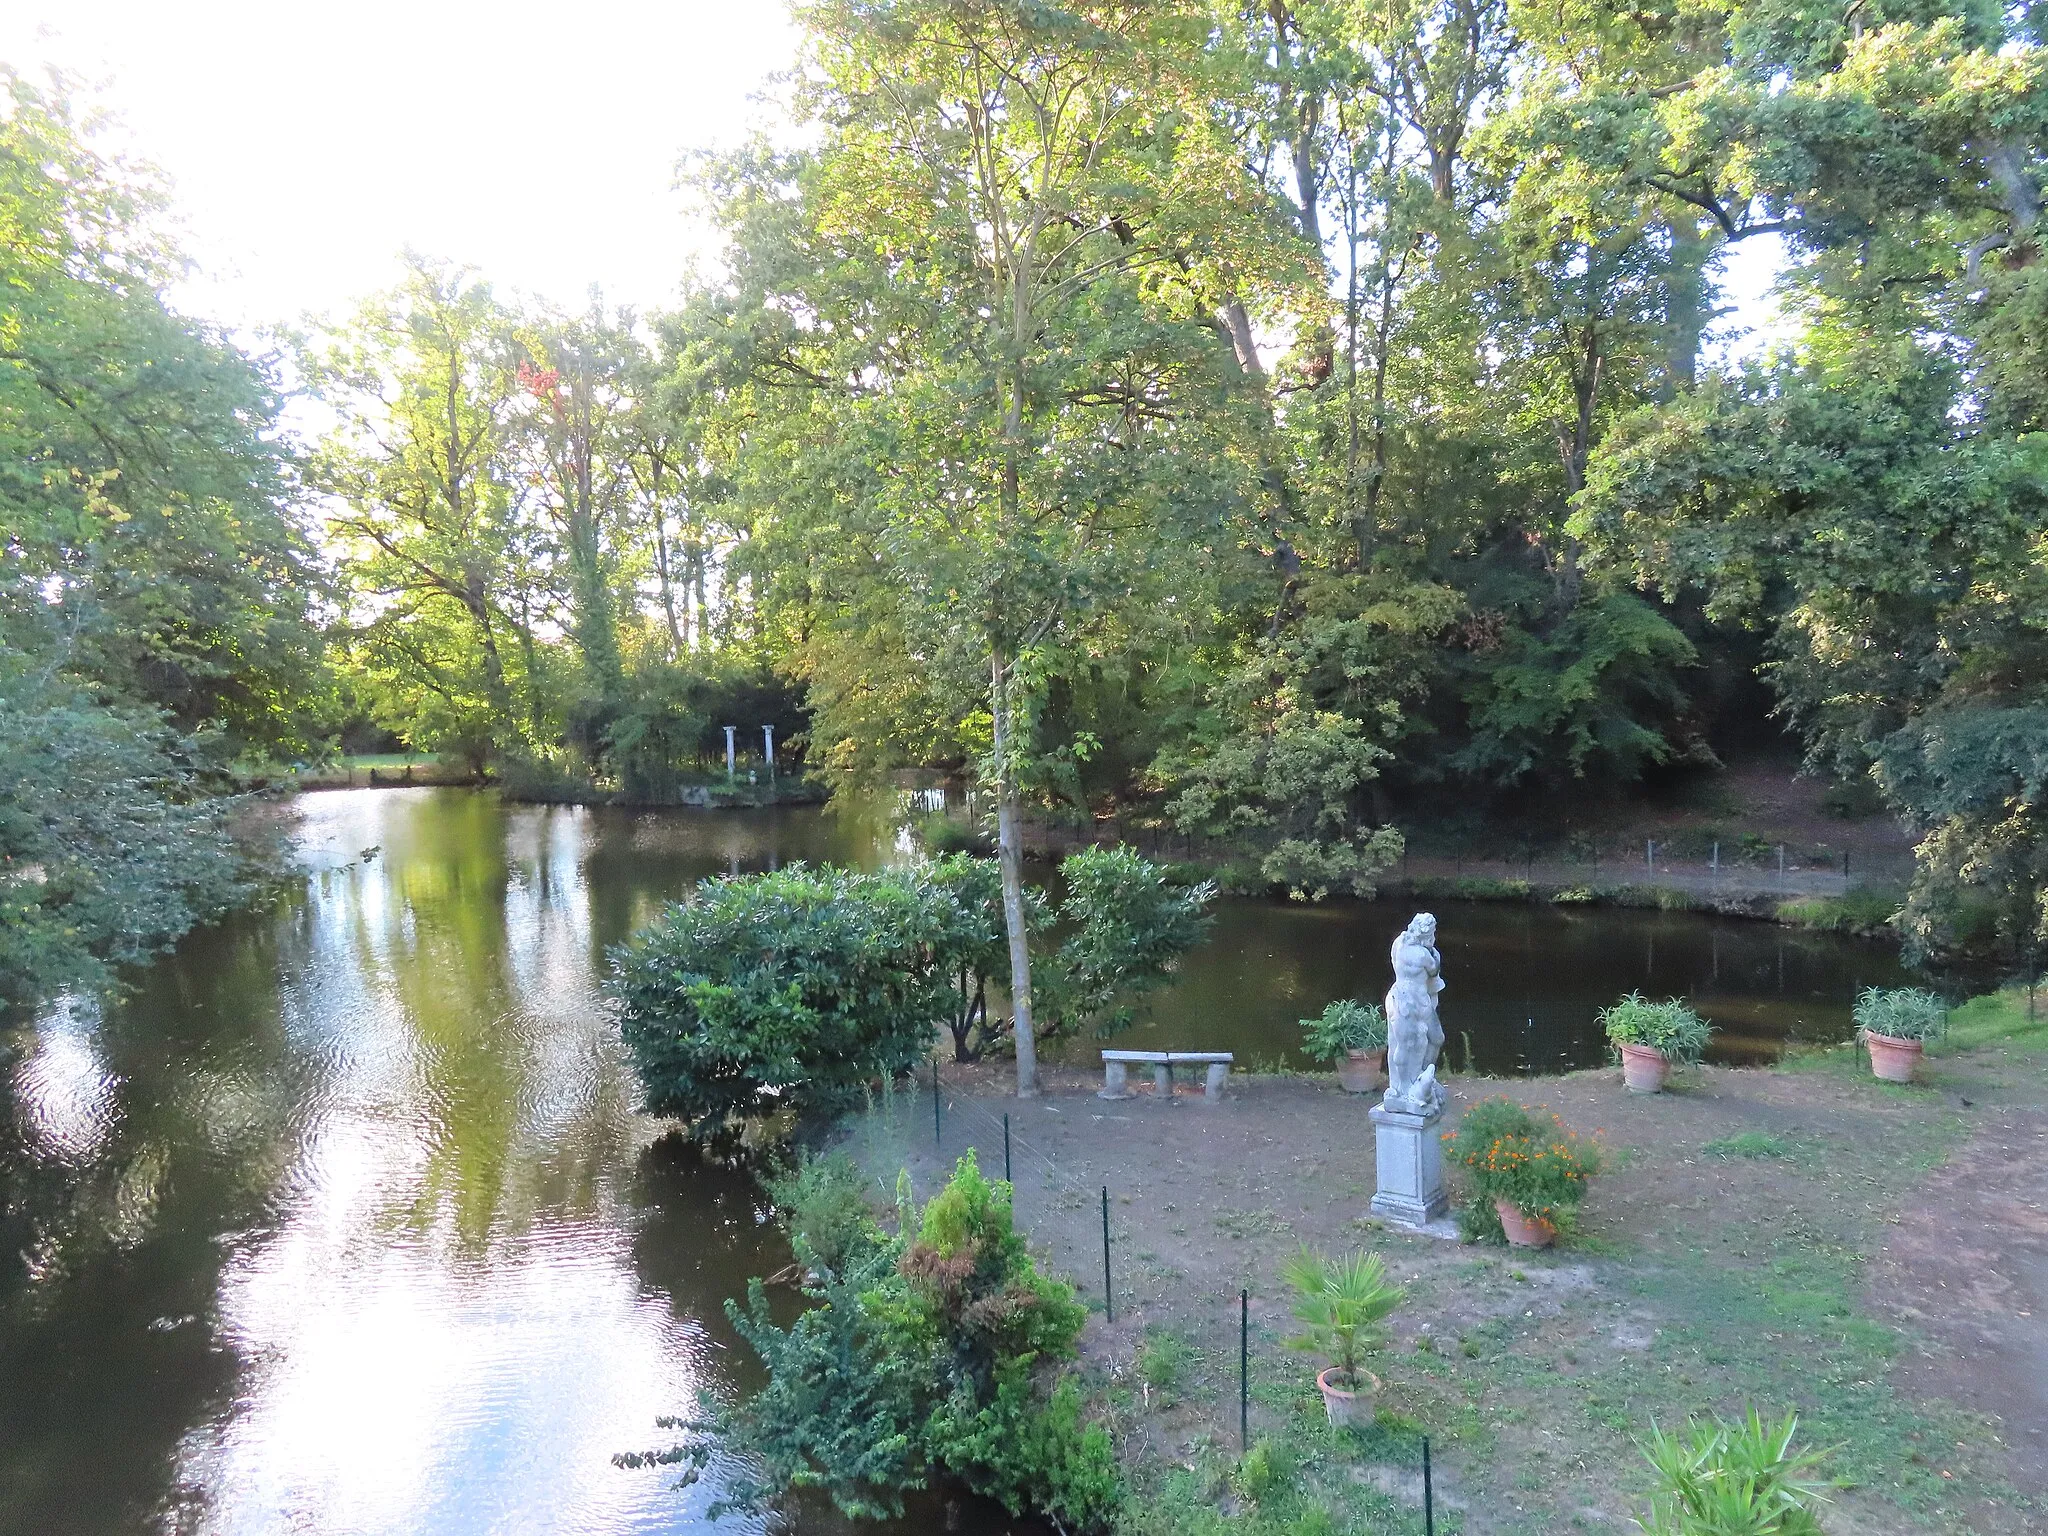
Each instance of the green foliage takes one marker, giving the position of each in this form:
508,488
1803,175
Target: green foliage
1345,1025
920,1357
1508,1154
111,846
156,581
1164,1359
970,946
1751,1144
1131,926
844,1406
824,1203
1741,1479
1864,912
974,1278
1669,1026
1264,1470
1903,1013
789,989
1031,1453
1595,696
1341,1303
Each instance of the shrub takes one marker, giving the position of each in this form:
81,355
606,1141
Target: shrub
1344,1026
1903,1013
1861,911
1539,1168
940,834
1131,926
1031,1458
1342,1304
843,1407
1741,1479
919,1358
1264,1470
824,1204
975,1280
1669,1026
787,989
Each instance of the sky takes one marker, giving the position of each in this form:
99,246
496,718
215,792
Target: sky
308,142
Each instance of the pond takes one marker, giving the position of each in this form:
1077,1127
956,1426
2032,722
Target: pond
345,1219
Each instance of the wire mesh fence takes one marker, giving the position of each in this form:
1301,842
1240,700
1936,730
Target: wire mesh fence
1072,1212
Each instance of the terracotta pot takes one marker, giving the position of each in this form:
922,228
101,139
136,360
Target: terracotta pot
1524,1231
1359,1071
1347,1408
1644,1068
1893,1059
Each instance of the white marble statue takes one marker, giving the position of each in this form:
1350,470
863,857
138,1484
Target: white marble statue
1414,1033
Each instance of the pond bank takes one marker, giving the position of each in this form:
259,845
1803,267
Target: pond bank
1782,1236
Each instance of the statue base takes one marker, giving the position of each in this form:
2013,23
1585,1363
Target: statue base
1410,1166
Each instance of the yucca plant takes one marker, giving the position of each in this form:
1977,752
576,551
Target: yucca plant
1669,1026
1342,1303
1901,1013
1741,1479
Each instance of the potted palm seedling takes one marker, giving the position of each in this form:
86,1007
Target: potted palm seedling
1342,1303
1895,1025
1354,1036
1652,1037
1528,1176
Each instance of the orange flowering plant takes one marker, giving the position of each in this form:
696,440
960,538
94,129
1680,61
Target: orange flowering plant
1534,1162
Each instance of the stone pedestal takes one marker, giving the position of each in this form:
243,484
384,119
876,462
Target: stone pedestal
1411,1167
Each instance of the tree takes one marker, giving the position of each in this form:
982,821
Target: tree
153,551
425,381
1873,500
155,579
1014,198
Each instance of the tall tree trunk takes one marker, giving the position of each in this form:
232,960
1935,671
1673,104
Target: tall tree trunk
1685,305
1272,474
1010,857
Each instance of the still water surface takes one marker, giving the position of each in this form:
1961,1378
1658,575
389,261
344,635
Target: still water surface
345,1221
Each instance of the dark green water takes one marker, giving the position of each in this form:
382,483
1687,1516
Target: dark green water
345,1221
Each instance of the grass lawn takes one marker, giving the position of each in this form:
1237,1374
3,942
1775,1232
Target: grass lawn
1799,1237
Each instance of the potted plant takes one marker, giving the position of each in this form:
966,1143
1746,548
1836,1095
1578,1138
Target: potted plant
1528,1176
1895,1024
1651,1037
1342,1304
1354,1036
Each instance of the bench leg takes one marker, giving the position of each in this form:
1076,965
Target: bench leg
1113,1086
1162,1080
1219,1074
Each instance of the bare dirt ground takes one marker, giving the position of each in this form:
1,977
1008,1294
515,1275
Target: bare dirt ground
1875,1257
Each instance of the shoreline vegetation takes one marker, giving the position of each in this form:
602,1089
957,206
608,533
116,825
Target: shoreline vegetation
1821,899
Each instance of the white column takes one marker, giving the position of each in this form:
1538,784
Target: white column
768,749
728,749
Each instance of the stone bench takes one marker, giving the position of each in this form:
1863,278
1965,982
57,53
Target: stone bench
1116,1064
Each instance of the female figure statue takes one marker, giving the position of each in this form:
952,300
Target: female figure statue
1414,1033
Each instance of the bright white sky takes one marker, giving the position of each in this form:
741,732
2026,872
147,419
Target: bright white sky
309,141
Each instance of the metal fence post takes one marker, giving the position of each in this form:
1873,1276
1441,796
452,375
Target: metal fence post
1006,1151
937,1138
1428,1493
1108,1295
1244,1389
